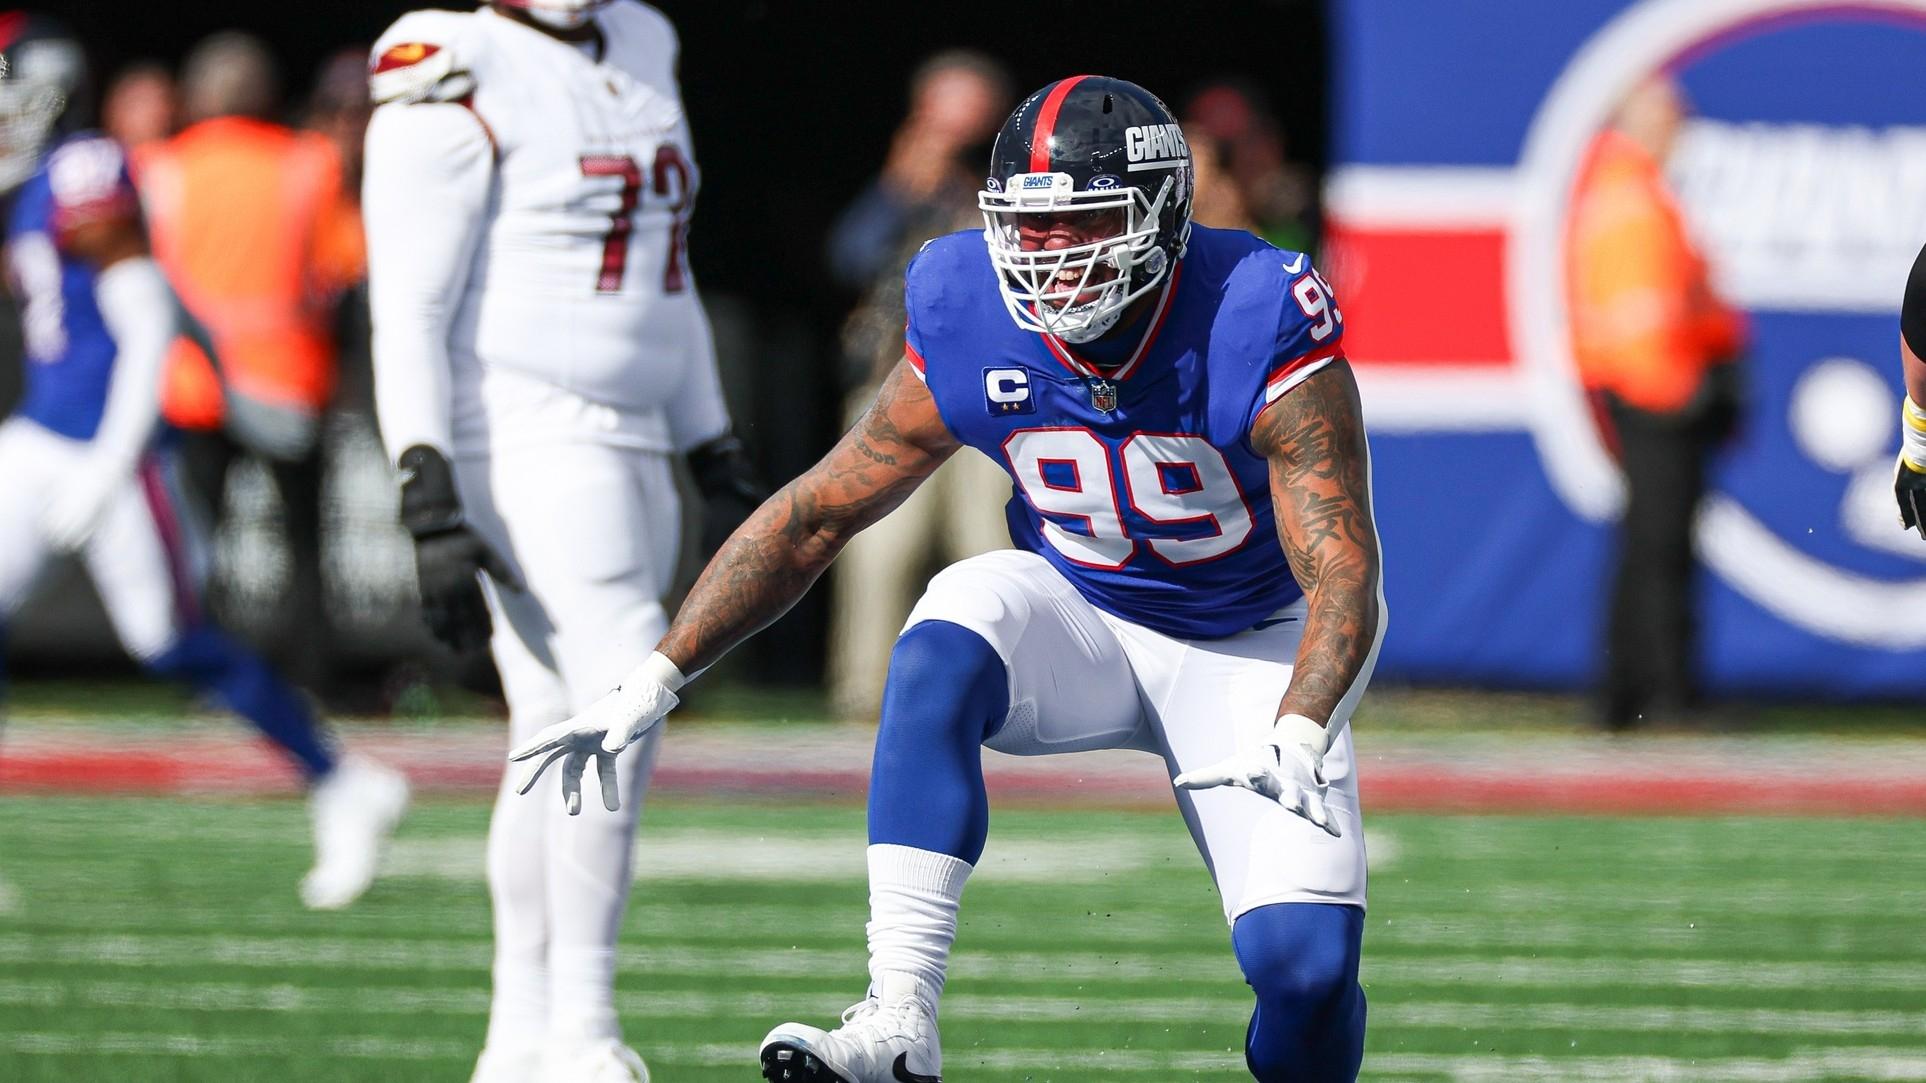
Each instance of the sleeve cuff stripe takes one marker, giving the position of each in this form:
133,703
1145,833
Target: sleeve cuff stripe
1299,372
1289,370
915,360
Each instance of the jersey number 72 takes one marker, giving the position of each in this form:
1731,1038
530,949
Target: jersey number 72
668,180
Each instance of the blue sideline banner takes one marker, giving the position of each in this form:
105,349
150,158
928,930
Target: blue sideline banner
1459,129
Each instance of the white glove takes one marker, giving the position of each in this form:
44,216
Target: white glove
1287,768
80,503
608,726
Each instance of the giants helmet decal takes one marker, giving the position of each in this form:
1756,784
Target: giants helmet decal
43,84
1087,143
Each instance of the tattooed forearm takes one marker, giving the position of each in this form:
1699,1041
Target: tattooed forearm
1320,486
774,557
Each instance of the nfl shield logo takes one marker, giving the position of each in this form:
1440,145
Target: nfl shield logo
1103,395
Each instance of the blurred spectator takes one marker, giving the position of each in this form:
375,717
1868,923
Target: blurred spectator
1244,180
927,188
141,108
242,211
338,110
1656,347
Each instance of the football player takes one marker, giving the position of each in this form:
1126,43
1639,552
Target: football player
1910,481
1196,574
86,468
541,358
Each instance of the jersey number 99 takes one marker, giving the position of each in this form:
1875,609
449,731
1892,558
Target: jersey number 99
1169,479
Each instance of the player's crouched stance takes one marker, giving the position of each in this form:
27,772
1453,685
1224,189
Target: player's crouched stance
1157,393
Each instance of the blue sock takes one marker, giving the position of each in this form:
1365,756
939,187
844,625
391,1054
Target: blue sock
210,662
1301,959
947,693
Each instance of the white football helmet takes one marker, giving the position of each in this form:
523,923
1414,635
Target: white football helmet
43,73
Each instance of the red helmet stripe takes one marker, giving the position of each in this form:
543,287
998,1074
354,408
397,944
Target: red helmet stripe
1047,123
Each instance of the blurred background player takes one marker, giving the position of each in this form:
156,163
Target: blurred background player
81,468
1657,348
541,358
250,222
927,188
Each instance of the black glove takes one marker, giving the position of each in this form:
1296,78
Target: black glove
1910,486
730,487
447,553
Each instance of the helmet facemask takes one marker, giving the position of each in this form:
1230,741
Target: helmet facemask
559,14
28,111
1046,291
39,80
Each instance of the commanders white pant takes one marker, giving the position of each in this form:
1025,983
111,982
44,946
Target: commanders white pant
145,562
1084,679
592,531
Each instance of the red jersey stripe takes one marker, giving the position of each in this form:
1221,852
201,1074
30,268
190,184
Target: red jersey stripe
1296,364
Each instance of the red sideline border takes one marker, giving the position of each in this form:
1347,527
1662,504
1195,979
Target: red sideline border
243,770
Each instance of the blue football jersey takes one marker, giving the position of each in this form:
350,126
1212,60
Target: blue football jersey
1136,479
69,353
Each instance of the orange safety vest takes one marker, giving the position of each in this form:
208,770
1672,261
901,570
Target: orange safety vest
1646,324
247,219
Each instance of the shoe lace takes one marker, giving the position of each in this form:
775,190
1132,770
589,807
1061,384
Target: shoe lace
861,1010
873,1019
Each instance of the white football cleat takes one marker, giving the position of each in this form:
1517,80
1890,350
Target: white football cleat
354,810
606,1061
518,1065
877,1043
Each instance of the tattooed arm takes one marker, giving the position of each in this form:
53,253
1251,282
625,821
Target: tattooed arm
1320,486
764,567
774,557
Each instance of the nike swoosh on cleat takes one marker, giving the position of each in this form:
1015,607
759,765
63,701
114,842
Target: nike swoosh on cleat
903,1075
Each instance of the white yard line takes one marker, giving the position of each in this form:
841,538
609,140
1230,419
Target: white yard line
972,963
1875,1063
187,1045
1802,1066
230,997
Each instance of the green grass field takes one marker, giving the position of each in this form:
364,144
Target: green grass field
145,939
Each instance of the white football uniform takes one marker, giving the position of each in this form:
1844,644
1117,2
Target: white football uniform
527,202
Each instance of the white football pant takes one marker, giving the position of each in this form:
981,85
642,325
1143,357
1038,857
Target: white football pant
1083,679
145,560
592,530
